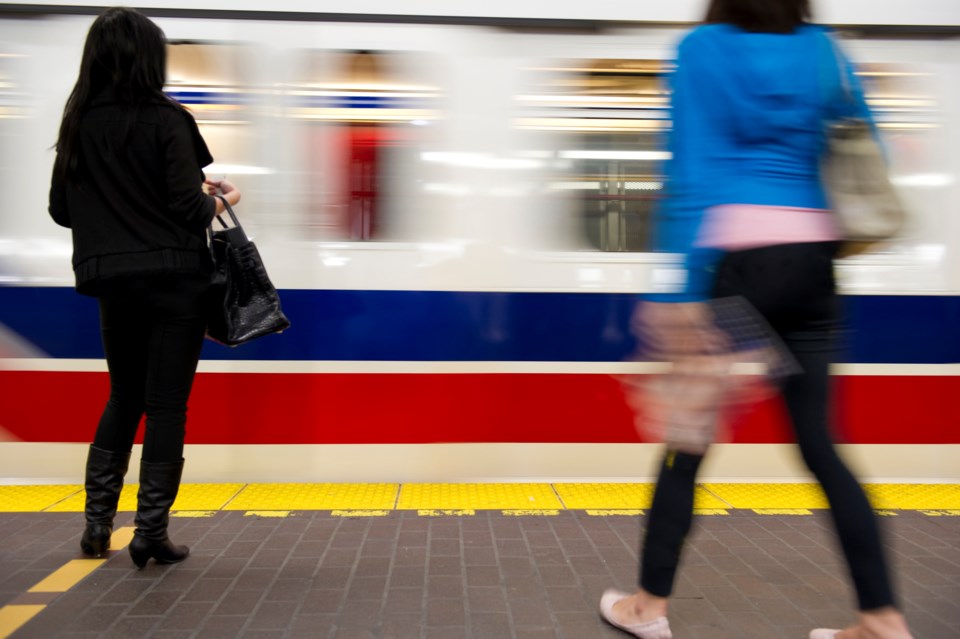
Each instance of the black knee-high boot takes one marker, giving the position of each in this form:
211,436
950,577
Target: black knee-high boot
104,480
159,484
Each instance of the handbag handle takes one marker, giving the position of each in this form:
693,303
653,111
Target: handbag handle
229,209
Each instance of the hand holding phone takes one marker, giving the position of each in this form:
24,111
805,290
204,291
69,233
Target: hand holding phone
220,185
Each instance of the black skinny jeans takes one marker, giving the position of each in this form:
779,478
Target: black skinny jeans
793,287
152,330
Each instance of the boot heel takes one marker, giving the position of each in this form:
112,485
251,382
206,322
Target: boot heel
159,483
95,540
139,552
164,552
104,480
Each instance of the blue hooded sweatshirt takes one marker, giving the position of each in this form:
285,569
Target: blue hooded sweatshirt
748,114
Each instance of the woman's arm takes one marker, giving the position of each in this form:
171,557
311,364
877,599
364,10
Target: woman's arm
188,203
227,189
679,211
57,206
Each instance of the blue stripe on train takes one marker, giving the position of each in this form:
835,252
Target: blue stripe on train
307,101
489,326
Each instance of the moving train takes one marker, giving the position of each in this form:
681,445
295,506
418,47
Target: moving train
455,204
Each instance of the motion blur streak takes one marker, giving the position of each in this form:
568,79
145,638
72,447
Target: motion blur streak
459,220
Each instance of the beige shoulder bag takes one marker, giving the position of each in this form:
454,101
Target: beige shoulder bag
855,175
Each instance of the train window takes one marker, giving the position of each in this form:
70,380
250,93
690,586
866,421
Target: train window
20,182
12,99
211,81
361,115
12,106
904,103
611,114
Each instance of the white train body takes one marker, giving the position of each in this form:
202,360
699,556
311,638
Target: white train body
454,201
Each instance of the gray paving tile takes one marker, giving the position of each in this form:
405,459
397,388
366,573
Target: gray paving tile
222,626
485,625
312,626
322,601
127,627
486,599
487,576
445,612
273,615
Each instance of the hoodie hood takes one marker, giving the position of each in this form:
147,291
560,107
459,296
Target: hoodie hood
774,79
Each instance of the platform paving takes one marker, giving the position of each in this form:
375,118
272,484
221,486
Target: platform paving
490,575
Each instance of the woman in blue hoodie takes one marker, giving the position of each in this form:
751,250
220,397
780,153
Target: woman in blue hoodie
745,205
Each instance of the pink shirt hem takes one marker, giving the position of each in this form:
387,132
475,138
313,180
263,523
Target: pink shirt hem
742,226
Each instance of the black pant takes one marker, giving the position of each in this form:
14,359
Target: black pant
152,331
793,287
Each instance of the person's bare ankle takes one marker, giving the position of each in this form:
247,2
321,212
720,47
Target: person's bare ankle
640,607
884,623
650,606
628,609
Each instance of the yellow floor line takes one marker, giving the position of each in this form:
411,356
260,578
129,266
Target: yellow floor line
14,616
121,537
68,575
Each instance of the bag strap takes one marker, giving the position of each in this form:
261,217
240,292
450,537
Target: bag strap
233,216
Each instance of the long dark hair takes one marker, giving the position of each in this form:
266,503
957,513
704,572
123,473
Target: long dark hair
126,53
760,16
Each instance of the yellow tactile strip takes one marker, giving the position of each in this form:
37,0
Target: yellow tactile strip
315,497
31,499
769,496
478,497
190,497
460,498
914,496
623,497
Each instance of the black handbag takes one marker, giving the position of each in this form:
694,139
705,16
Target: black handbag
243,304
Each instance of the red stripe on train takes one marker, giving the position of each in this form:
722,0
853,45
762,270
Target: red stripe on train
263,408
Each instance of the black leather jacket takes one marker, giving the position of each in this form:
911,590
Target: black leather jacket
135,207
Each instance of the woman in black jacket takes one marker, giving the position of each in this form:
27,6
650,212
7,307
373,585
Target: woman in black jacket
127,181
